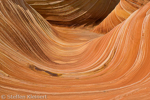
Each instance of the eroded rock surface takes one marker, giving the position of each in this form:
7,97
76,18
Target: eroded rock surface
37,58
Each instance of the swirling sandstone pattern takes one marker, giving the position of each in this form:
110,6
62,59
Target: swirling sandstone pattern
73,12
122,11
40,59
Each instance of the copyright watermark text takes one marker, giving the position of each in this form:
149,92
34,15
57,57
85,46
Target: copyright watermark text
30,96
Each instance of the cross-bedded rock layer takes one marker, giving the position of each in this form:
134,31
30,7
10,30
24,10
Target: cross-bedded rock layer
37,58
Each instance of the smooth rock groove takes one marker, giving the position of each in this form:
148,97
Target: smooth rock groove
37,58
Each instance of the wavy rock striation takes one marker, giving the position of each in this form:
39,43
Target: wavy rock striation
73,12
122,11
37,58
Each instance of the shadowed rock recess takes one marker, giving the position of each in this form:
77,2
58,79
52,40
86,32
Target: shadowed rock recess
42,59
73,12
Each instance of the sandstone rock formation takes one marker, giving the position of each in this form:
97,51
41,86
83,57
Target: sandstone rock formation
122,11
73,12
39,59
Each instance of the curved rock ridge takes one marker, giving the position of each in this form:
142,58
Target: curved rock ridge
121,12
73,12
39,59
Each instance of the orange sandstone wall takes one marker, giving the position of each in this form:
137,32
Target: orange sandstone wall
121,12
38,59
73,12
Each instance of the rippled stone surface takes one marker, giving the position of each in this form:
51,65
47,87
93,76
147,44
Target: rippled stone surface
121,12
74,12
62,63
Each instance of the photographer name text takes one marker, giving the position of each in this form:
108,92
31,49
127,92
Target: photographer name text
23,97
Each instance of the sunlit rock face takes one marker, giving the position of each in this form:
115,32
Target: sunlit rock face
121,12
73,12
59,63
